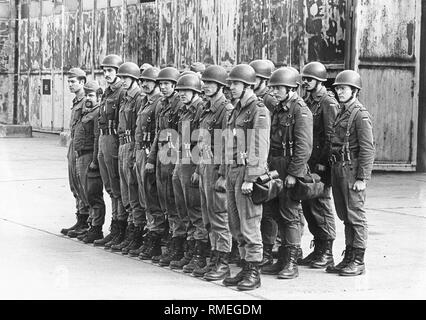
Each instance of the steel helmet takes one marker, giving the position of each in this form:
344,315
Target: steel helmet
187,72
349,78
168,74
145,66
286,76
243,73
216,74
112,60
150,74
189,82
76,72
91,86
198,67
263,68
129,69
315,70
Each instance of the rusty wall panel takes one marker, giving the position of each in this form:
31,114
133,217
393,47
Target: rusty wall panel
70,54
58,101
168,35
148,50
87,40
100,45
34,100
187,33
34,45
392,110
47,36
387,29
207,26
57,42
325,26
6,97
23,45
252,41
228,20
6,47
131,41
23,100
115,31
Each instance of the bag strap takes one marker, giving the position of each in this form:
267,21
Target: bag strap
350,121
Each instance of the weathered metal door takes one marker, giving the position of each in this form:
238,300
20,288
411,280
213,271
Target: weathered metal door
387,57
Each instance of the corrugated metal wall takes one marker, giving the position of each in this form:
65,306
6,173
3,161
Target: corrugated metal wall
388,50
57,35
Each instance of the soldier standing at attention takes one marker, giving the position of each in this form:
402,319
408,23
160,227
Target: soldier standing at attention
86,149
133,226
246,149
319,211
76,81
352,157
108,144
291,147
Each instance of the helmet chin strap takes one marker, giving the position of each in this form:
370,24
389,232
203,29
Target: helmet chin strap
243,92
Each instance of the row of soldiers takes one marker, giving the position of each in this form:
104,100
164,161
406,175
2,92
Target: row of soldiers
178,153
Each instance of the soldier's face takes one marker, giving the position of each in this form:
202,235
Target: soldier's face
147,86
127,82
344,93
309,83
186,96
110,74
75,85
258,82
92,97
237,89
210,88
280,93
167,88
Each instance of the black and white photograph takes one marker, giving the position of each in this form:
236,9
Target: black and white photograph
213,156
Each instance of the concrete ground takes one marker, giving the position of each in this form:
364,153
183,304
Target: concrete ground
39,263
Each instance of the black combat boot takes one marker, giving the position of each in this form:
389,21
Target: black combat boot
199,258
201,271
233,281
276,267
234,257
268,259
128,237
346,259
176,252
221,270
135,252
166,248
251,278
94,233
113,232
306,261
81,229
83,234
151,246
65,231
187,256
136,241
119,236
290,270
325,255
356,266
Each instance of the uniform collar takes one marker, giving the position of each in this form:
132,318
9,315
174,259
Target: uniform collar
154,97
133,91
116,85
248,102
262,92
78,97
89,111
285,105
348,106
316,96
216,102
193,106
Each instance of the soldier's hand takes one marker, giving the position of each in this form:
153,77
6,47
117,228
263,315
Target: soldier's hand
149,168
359,185
319,168
220,185
289,182
93,166
195,178
247,187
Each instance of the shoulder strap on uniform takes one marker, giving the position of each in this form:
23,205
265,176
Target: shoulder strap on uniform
354,113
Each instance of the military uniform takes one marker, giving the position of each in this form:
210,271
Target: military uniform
129,107
319,211
108,147
352,159
144,136
86,149
82,205
291,147
246,156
